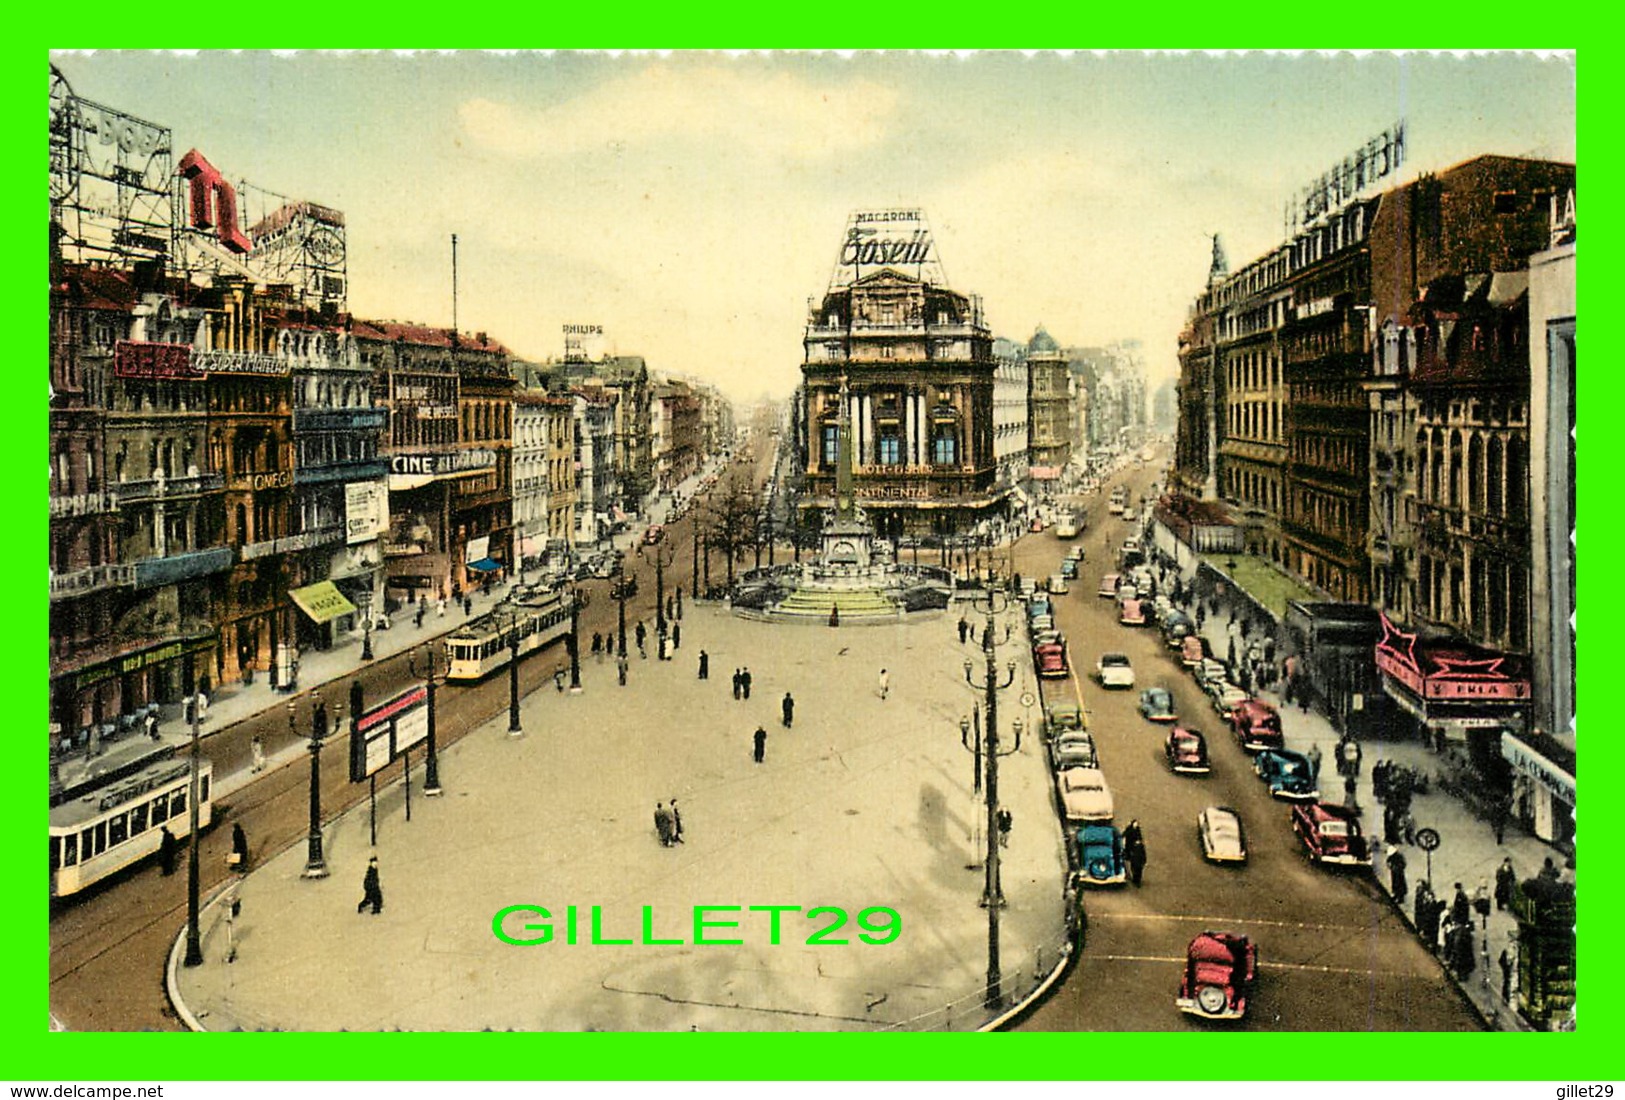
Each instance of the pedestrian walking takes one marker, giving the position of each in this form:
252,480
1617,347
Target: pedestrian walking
964,627
1461,910
239,848
760,739
676,635
1230,652
371,892
788,707
676,823
440,607
166,852
1506,974
620,669
1506,883
1314,760
1428,911
1005,821
1201,616
1481,902
1134,853
1396,874
597,643
739,682
257,748
669,615
203,703
417,617
642,635
1460,939
151,724
558,679
1350,786
744,681
705,665
1500,810
834,616
1350,751
663,825
885,687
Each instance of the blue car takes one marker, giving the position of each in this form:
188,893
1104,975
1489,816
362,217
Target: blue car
1039,605
1289,774
1100,856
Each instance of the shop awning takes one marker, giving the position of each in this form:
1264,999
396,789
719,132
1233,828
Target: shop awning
322,602
485,565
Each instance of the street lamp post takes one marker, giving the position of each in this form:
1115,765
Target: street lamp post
366,629
194,937
620,628
660,596
696,534
315,864
514,728
993,893
577,595
431,766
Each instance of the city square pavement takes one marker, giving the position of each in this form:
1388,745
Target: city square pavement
864,802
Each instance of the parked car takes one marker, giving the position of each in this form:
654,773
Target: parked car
1042,636
1057,584
1226,697
1037,525
1074,750
1131,613
1084,794
1186,751
1049,660
1330,833
1157,704
1100,856
1108,585
1041,622
1069,568
1061,717
1161,607
1028,586
1210,670
1255,724
1114,671
1220,968
654,534
1193,650
1126,590
1039,605
1130,515
1131,546
625,587
1223,838
1176,627
1076,552
1289,774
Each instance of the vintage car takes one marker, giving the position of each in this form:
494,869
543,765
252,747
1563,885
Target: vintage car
1220,968
1037,524
1114,671
1131,613
1040,637
1027,586
1226,697
1131,546
1256,725
1069,568
1187,752
1039,604
1127,590
1049,660
1039,623
1108,585
1193,650
1074,750
1060,717
1100,856
1076,552
625,587
1084,794
654,534
1130,514
1330,833
1161,607
1210,670
1289,774
1176,627
1223,838
1157,704
1057,584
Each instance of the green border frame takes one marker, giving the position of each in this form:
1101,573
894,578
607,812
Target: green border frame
1589,1054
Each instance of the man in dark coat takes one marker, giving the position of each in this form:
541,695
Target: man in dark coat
1461,910
1396,873
1506,974
739,681
371,892
676,636
239,847
642,633
166,852
761,743
1506,883
744,681
788,706
963,628
676,824
1134,849
705,665
663,825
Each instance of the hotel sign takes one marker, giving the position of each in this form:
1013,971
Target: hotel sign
1379,158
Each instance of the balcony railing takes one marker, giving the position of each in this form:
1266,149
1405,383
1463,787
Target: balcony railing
151,572
81,581
83,504
133,492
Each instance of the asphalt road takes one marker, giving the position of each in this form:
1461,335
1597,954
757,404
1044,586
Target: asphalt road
1333,955
109,945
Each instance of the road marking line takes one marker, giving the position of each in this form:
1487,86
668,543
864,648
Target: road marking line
1265,965
1217,921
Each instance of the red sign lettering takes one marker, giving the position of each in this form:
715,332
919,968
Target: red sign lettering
221,213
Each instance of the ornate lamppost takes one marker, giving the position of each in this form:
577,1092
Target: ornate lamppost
194,937
578,600
661,558
315,864
992,892
514,728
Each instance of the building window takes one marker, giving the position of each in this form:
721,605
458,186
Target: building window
1506,202
944,445
889,448
831,444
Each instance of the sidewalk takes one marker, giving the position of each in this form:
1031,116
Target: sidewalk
1467,853
865,802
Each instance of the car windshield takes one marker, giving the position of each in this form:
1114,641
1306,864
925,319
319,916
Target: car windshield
1083,779
1114,660
1334,828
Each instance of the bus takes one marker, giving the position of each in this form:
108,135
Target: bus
540,617
105,827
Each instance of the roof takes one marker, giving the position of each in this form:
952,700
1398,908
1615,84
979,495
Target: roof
426,335
1042,341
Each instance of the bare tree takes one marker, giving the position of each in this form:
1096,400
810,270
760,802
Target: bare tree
730,516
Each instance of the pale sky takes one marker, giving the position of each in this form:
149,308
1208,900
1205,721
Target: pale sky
691,204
